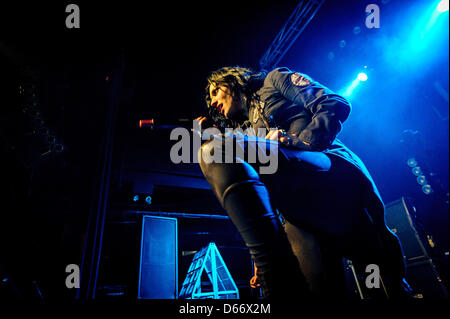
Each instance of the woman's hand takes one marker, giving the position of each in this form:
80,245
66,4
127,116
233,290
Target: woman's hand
202,121
284,138
254,282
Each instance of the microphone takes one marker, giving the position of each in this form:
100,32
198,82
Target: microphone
154,124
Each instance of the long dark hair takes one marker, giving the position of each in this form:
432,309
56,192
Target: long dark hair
238,80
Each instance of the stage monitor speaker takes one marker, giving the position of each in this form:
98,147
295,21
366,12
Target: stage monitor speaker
421,273
425,280
400,220
158,267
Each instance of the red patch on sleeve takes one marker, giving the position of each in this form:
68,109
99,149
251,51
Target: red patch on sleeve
299,80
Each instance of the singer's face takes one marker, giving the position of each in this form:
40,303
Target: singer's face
224,101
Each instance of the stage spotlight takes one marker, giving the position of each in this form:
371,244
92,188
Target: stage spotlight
432,19
135,198
347,92
412,162
421,180
148,200
427,189
417,171
443,6
362,77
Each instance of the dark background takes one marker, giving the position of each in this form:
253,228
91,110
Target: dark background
164,52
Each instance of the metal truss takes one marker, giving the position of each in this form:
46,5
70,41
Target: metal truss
296,23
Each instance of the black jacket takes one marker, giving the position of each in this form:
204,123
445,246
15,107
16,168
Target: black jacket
296,103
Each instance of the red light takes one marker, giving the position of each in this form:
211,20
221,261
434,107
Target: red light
145,123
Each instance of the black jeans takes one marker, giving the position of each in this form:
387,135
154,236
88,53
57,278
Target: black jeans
331,208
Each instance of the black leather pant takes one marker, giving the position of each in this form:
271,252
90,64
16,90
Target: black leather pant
326,202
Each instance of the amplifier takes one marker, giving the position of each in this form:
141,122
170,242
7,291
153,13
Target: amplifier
158,269
399,218
146,253
425,280
421,272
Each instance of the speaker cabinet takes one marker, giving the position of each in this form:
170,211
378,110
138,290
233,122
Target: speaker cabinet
425,280
399,219
158,269
421,272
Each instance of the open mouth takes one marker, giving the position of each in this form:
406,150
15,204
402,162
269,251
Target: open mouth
219,108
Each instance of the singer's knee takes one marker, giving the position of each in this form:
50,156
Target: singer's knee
220,175
205,156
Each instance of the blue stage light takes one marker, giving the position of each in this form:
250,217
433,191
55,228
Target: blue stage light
427,189
421,180
412,162
433,16
135,198
417,171
443,6
424,26
349,90
148,200
362,77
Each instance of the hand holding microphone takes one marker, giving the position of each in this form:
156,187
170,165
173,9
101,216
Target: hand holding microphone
204,122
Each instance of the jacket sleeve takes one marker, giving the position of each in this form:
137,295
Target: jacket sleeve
328,110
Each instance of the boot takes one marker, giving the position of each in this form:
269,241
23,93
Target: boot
247,204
